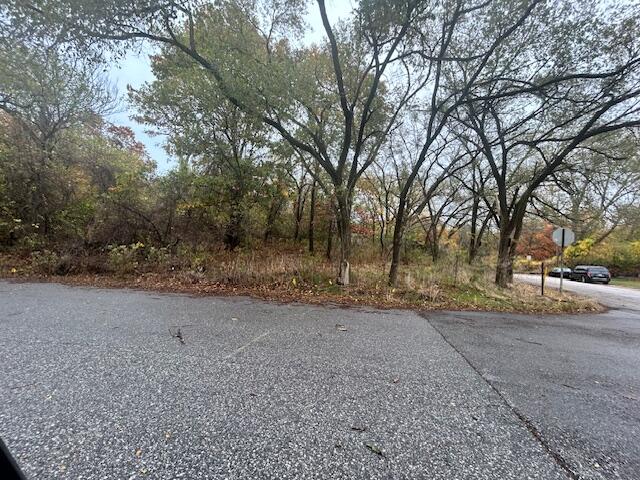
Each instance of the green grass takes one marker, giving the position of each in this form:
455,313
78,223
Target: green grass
626,282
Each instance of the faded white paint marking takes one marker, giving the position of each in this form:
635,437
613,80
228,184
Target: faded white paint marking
248,344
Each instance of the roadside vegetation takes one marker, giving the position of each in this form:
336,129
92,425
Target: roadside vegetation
626,282
415,154
291,274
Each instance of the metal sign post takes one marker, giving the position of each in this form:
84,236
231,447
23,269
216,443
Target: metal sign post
562,259
562,237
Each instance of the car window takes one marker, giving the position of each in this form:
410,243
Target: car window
599,270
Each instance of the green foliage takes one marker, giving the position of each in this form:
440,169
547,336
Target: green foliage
243,103
48,262
620,257
124,259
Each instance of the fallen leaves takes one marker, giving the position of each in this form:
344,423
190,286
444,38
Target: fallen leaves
290,288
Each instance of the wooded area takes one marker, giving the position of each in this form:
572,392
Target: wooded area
415,131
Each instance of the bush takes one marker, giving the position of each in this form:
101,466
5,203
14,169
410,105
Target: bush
50,263
125,258
621,258
522,265
130,258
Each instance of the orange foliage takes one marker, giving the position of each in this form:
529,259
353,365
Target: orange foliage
537,243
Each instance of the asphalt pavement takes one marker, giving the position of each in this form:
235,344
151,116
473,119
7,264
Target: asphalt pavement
574,379
619,298
124,384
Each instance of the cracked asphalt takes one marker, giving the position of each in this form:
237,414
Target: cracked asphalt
105,384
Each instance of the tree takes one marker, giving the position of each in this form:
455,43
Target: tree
223,142
550,101
476,180
325,101
593,195
536,241
453,61
45,94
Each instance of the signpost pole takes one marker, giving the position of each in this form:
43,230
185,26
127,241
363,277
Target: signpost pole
562,259
562,237
542,277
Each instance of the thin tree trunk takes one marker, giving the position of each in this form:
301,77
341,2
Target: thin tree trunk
396,243
298,213
274,209
473,241
330,238
434,242
233,232
312,216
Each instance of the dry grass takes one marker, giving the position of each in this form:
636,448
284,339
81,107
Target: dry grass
296,276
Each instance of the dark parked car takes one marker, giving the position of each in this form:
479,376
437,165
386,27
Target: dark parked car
591,274
555,272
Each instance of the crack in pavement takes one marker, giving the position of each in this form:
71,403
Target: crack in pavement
528,424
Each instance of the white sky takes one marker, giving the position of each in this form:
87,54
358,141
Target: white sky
135,69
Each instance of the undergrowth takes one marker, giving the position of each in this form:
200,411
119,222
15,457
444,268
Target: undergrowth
292,274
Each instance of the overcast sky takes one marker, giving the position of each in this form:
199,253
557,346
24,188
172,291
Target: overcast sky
135,70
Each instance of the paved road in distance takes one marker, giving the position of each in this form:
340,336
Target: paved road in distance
608,295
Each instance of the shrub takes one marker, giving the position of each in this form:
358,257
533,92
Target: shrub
130,258
125,258
522,265
50,263
621,258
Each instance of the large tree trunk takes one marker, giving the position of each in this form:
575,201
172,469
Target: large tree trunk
474,246
434,242
504,267
344,234
395,259
510,230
